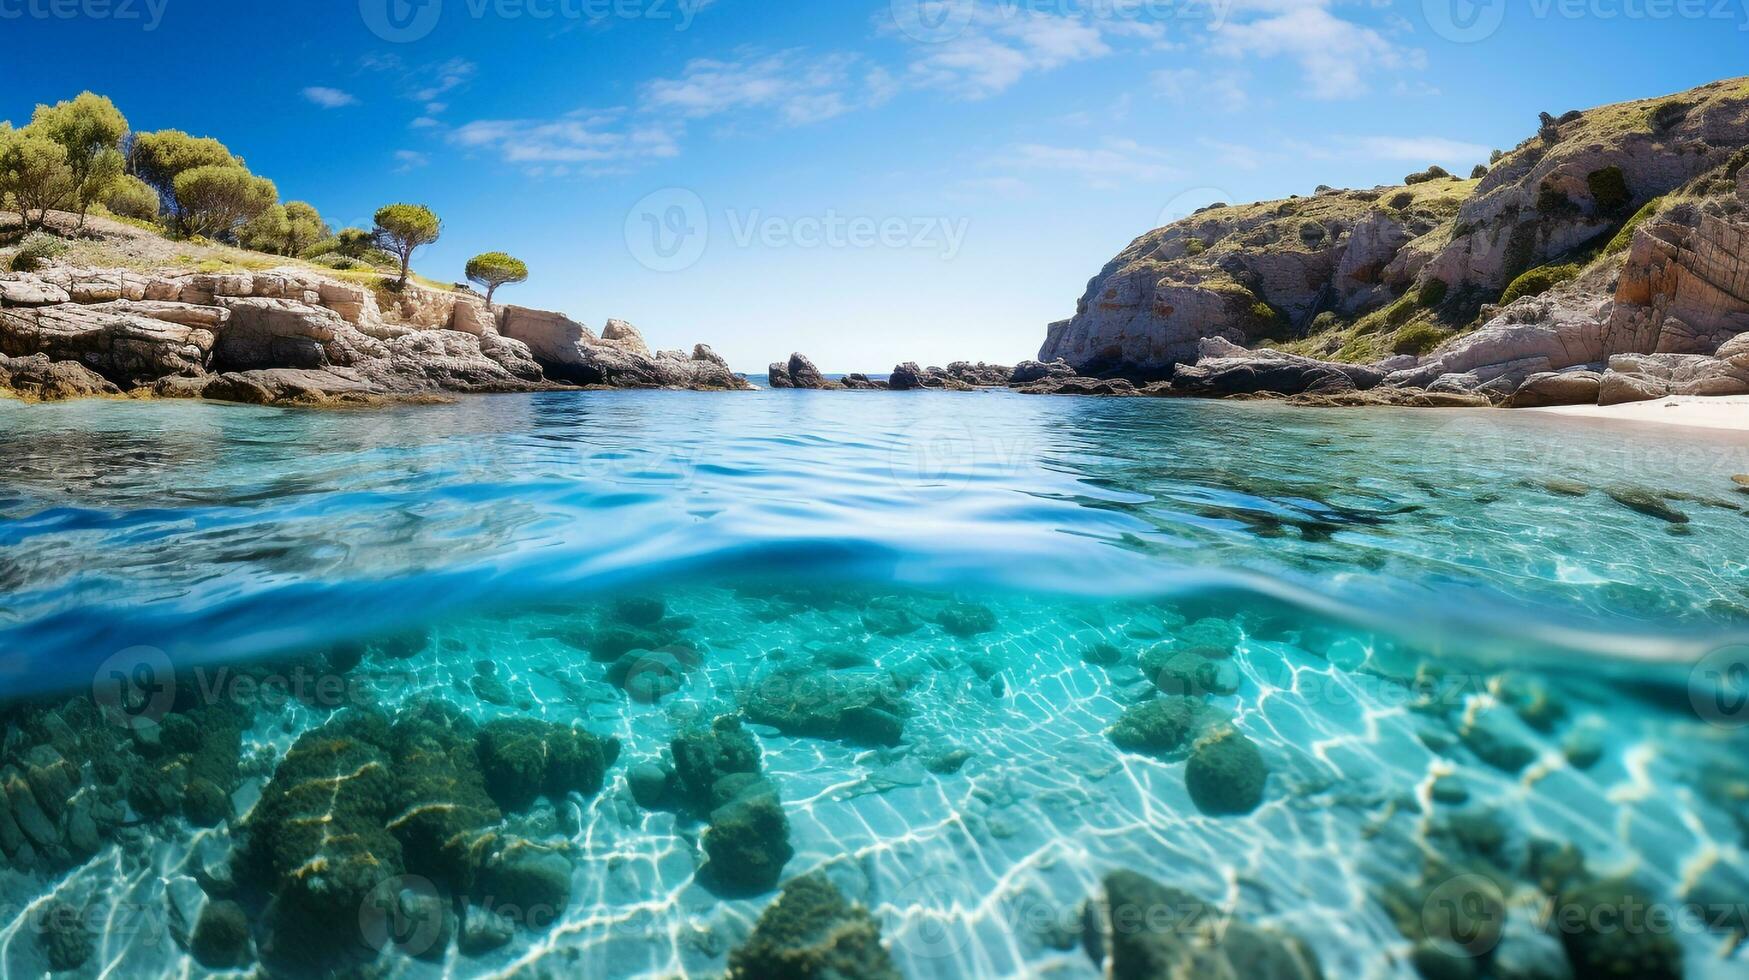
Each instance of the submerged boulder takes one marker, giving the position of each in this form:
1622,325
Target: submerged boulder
524,758
859,709
1226,773
812,933
1160,727
1143,930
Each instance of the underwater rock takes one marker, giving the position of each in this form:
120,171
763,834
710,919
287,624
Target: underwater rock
1606,934
966,619
640,611
317,842
1489,735
1226,773
483,931
890,617
651,785
812,933
523,758
860,710
1102,655
1143,930
1188,673
1647,503
747,842
439,793
1215,639
1533,700
948,763
221,937
705,756
1160,727
533,878
610,643
66,937
1450,790
647,676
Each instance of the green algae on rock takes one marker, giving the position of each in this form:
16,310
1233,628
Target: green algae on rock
813,933
1159,727
1226,773
1143,930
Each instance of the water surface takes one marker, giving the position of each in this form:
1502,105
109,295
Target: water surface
1397,579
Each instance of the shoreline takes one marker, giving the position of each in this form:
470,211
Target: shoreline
1716,413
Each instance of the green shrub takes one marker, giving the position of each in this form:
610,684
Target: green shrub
1428,176
1552,200
1432,293
1538,281
1480,171
1324,322
1625,238
1417,339
334,260
1737,164
36,249
1609,189
1195,247
1400,314
1667,115
131,197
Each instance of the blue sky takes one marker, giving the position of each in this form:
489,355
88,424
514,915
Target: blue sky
862,180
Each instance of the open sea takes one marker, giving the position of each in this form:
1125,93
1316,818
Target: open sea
251,658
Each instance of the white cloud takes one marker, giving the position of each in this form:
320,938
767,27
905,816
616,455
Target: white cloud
1003,43
436,80
1218,90
1112,164
1334,55
410,160
598,142
799,89
329,98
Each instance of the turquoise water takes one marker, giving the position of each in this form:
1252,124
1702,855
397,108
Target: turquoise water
1412,602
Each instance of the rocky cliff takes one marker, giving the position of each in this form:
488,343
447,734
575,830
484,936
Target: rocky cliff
1616,232
298,335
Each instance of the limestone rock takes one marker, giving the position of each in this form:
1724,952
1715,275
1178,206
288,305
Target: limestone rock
626,337
124,346
38,378
1558,388
24,289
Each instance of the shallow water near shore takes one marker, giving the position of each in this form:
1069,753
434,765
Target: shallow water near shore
1535,611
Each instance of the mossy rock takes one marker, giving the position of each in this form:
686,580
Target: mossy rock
1226,773
747,843
705,756
523,758
317,840
1189,673
1610,935
1161,727
440,799
812,933
966,619
860,710
1212,638
220,940
1143,930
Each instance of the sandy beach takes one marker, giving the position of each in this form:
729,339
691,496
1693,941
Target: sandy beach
1730,412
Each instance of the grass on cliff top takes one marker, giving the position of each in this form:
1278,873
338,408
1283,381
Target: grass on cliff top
113,242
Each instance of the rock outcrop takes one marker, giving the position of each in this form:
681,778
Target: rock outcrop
294,336
1409,266
798,372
